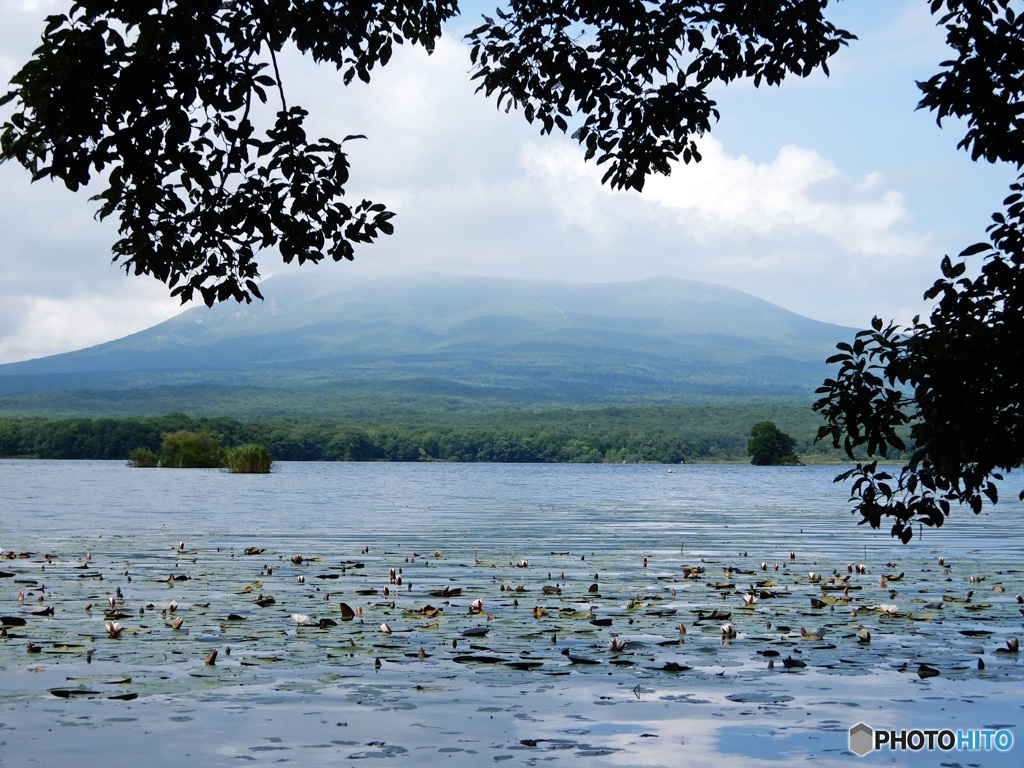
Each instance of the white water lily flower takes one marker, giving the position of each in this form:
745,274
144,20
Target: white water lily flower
300,618
385,628
114,629
616,644
889,609
749,598
173,606
728,630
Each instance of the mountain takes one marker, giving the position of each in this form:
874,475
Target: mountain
666,339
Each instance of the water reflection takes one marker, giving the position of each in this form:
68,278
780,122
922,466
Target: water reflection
561,560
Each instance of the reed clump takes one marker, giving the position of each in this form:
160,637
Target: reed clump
250,459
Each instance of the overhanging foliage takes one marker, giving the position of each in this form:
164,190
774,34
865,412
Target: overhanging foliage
955,377
154,100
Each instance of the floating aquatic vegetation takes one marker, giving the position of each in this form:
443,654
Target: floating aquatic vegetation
473,618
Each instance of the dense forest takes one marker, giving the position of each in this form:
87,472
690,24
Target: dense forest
660,434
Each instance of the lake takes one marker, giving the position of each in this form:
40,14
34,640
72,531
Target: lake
464,615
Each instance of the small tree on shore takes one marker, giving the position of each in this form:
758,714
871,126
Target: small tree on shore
768,445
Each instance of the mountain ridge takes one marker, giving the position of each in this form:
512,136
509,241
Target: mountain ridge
657,337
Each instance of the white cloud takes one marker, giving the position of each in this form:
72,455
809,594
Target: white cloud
785,230
47,325
58,288
799,191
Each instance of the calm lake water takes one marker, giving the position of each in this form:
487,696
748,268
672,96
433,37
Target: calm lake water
556,556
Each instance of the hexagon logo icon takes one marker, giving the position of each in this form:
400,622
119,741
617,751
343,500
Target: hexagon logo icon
862,739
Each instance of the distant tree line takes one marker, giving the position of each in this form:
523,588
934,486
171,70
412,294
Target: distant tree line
563,437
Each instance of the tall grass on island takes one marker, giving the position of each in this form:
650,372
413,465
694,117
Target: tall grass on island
249,459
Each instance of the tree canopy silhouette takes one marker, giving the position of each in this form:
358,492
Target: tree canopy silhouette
155,100
951,382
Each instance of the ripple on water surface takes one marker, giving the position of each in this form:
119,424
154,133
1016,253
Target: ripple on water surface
492,612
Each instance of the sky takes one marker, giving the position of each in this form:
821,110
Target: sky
829,196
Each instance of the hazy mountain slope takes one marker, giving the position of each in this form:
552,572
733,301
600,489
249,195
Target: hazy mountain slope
563,341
